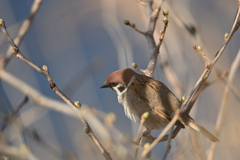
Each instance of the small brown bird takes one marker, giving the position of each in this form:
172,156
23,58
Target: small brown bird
139,94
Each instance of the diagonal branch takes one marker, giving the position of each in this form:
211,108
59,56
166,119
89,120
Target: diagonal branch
199,86
22,32
45,72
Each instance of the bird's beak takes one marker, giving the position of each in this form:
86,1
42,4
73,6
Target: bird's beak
105,85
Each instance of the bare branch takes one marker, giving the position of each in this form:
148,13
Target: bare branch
15,152
22,32
168,145
199,86
45,72
127,22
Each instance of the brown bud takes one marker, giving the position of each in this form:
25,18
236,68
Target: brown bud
194,47
52,85
133,25
15,50
207,65
86,129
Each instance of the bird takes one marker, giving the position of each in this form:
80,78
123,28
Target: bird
139,94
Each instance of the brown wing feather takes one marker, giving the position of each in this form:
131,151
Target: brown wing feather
160,95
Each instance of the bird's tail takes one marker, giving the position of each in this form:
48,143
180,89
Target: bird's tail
187,120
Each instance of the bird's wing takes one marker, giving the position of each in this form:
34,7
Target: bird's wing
163,101
148,89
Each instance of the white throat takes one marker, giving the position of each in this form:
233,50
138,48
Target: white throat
122,93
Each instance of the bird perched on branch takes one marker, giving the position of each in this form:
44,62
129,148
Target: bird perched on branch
139,94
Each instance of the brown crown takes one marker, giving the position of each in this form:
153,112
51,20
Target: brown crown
121,76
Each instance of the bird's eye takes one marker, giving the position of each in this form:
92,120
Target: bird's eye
121,88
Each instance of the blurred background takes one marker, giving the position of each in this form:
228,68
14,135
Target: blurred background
82,42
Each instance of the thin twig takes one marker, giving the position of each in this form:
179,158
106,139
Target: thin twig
222,111
166,129
46,144
223,75
171,75
143,119
11,117
196,147
16,152
199,50
168,145
16,111
22,32
45,72
162,36
128,23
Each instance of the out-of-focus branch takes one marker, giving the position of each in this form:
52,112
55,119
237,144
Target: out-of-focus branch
53,86
196,147
168,145
222,111
12,116
36,96
16,153
22,32
170,74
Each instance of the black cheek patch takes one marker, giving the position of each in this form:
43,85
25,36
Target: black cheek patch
121,88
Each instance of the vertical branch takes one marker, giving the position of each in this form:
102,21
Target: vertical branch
168,145
222,111
154,50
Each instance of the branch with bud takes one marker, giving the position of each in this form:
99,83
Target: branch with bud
45,71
